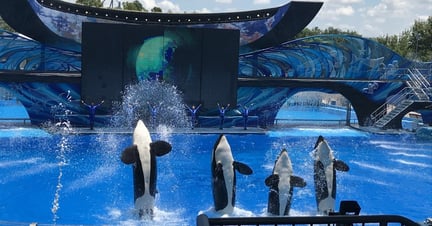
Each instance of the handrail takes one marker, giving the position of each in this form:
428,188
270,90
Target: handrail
415,90
203,220
421,77
419,84
338,121
405,94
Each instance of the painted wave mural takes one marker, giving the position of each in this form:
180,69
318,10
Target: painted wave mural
348,61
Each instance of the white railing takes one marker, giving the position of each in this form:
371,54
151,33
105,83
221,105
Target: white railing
406,93
418,88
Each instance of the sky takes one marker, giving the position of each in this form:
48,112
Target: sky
369,18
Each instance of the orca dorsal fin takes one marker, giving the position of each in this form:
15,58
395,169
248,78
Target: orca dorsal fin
340,165
297,181
160,147
272,180
242,168
129,154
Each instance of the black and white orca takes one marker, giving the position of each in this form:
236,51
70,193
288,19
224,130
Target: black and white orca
281,184
142,154
223,169
325,166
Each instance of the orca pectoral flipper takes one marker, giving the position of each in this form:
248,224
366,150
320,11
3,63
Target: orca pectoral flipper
272,180
160,147
297,181
242,168
129,155
340,165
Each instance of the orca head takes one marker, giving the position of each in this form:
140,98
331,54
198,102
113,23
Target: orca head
222,152
141,134
323,152
283,163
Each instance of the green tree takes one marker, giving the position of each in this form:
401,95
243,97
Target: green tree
414,43
156,10
420,40
330,30
92,3
134,6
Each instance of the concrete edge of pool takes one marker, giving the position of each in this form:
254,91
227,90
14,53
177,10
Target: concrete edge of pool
199,130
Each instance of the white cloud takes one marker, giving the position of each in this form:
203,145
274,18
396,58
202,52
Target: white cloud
147,4
261,2
168,6
350,1
203,10
345,11
224,1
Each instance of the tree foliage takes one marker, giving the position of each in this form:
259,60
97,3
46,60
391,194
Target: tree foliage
134,6
414,43
92,3
317,31
156,10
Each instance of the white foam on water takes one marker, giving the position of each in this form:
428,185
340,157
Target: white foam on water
23,132
13,163
369,179
33,170
327,132
96,176
116,216
237,212
382,169
405,162
405,154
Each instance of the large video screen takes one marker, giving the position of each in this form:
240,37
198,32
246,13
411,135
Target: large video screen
202,63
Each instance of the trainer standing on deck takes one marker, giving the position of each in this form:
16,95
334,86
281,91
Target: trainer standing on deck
222,110
193,110
245,114
92,111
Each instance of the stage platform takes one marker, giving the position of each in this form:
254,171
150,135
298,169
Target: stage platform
199,130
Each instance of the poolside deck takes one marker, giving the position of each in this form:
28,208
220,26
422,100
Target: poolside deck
199,130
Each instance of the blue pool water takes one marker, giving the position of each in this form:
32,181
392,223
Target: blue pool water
389,174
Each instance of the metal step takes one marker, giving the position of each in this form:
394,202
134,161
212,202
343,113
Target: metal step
386,119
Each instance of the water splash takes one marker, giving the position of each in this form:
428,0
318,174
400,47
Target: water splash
60,113
63,127
156,103
61,156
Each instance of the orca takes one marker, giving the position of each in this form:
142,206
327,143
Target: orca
142,154
325,166
223,169
281,183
